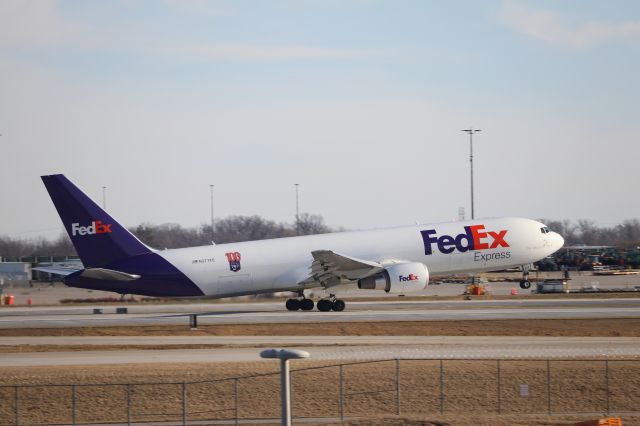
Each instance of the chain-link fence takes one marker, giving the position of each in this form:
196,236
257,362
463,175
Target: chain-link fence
358,389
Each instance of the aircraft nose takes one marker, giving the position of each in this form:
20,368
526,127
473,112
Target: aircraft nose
558,241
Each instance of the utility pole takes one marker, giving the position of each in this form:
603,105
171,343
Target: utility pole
213,224
297,210
471,131
104,198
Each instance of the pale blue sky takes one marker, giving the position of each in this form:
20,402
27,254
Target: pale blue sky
361,102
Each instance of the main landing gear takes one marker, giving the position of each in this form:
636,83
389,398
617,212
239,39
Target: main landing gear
331,304
324,305
303,304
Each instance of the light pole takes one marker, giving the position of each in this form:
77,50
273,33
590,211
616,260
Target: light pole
104,198
471,131
284,355
297,210
213,224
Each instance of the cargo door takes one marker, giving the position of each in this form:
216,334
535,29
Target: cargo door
234,284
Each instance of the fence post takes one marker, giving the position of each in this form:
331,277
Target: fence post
129,405
499,387
441,387
184,404
397,386
606,375
17,404
73,405
548,387
236,394
341,393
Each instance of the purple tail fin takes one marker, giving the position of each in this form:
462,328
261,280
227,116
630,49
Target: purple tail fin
97,237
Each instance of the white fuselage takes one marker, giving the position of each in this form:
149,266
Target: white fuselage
281,264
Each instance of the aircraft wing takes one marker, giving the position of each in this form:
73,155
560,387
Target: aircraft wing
329,268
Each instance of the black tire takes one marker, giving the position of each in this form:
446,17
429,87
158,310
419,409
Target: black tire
293,304
306,304
324,305
338,305
525,284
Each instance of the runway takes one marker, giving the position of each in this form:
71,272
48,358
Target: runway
97,350
275,313
320,348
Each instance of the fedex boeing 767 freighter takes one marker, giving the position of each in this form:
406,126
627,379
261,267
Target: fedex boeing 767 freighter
395,260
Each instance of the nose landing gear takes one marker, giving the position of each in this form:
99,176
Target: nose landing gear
525,284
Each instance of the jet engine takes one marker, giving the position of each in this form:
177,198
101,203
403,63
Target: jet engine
399,278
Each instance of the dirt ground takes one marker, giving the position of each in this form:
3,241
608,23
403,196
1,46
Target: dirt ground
458,392
480,420
599,327
469,392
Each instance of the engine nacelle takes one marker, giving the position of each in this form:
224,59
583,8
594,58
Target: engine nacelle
399,278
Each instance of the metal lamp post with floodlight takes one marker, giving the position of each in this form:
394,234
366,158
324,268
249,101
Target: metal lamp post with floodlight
213,224
471,131
284,355
297,210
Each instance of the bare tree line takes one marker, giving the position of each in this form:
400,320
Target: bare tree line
248,228
586,232
227,230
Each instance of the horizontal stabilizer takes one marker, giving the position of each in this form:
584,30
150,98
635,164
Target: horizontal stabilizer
108,274
58,270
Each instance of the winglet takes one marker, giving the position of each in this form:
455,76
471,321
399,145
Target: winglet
97,237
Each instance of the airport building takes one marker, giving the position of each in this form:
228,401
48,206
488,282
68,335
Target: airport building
18,270
14,273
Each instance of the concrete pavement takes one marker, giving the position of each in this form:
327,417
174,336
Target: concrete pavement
324,348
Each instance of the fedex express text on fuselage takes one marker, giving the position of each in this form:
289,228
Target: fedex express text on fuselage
474,238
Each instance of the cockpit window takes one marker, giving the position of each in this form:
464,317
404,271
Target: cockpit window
544,230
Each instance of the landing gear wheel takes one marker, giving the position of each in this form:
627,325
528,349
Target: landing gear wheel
293,304
306,304
338,305
525,284
324,305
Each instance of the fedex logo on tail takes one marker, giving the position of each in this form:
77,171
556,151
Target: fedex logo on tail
96,227
474,238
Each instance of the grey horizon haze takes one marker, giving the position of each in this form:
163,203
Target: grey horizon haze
360,102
